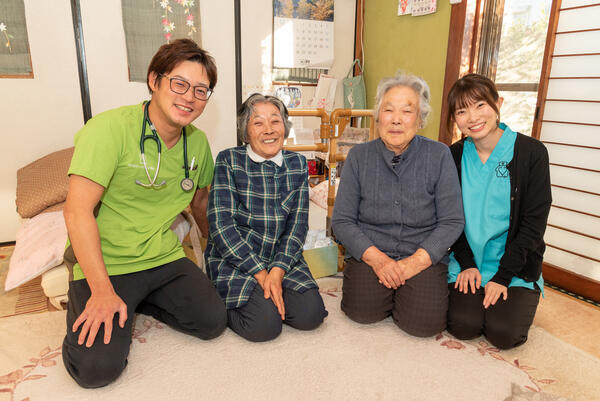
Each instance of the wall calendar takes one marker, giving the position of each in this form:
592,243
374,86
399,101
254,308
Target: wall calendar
302,34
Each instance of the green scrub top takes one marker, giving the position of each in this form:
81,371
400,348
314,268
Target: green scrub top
134,221
486,200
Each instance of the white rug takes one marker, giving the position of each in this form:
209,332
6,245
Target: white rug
341,360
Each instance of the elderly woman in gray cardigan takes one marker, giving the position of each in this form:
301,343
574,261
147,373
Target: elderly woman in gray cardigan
398,210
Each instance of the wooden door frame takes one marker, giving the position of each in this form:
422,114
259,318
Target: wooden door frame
453,59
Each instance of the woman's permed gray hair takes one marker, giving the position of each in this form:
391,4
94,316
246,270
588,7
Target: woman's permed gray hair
247,109
414,82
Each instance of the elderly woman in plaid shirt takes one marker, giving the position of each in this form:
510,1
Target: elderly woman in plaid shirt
258,217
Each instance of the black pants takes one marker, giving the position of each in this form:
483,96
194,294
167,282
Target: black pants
177,293
258,320
418,307
505,324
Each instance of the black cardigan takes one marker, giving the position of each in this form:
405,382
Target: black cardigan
530,199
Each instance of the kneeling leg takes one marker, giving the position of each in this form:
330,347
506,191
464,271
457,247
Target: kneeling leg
465,313
303,311
185,299
101,363
258,320
507,323
421,304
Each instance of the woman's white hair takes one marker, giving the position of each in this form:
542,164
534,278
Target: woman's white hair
247,109
413,82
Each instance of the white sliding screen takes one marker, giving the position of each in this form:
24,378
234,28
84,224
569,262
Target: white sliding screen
568,122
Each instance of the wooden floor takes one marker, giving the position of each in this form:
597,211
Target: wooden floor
570,319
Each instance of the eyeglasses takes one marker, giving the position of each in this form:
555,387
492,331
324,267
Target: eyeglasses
181,87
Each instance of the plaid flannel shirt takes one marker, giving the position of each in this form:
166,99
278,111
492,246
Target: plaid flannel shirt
258,217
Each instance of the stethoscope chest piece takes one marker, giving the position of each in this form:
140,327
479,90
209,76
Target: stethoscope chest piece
187,184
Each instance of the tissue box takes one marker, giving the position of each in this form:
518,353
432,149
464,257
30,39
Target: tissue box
322,261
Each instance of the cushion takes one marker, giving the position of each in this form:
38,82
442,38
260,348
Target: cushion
40,245
181,227
43,183
55,282
318,193
353,135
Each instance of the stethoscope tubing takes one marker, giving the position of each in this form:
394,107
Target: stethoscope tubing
156,139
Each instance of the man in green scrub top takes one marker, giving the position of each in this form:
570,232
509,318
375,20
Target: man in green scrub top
124,194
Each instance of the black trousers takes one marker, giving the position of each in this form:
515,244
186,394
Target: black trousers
258,320
505,324
418,307
177,293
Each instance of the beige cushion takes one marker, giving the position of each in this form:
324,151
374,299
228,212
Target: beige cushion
43,183
318,193
55,282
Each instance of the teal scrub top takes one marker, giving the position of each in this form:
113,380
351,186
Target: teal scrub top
486,200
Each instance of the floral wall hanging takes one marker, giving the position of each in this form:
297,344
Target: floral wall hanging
15,60
149,24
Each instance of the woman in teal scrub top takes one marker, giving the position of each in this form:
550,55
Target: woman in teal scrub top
495,266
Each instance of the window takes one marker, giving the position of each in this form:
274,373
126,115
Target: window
503,40
520,58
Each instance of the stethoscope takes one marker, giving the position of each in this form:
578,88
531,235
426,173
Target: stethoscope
186,184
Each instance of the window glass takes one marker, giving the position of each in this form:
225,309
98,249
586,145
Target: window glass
522,42
518,110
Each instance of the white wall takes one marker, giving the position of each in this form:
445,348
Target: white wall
38,115
107,64
41,115
218,37
257,22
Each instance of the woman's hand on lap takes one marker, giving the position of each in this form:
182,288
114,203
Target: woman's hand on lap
492,293
388,273
407,269
261,277
414,264
272,289
468,278
384,267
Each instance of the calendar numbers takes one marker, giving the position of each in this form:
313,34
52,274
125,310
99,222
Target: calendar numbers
311,43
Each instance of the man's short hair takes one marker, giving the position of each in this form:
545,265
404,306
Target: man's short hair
171,54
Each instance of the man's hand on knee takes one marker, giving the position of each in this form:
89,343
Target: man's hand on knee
100,308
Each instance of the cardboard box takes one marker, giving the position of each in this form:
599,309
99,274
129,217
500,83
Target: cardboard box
322,261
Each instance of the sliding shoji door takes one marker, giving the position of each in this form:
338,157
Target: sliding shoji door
568,123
